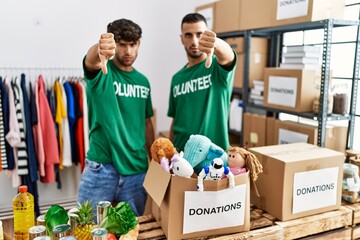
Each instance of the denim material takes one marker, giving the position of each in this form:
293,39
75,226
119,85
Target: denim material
101,182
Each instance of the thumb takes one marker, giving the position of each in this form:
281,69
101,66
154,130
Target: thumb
209,60
104,61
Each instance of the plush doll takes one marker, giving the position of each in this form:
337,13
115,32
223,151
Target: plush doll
240,159
162,150
215,172
180,166
199,151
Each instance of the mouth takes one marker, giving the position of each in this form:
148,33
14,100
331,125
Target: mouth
128,58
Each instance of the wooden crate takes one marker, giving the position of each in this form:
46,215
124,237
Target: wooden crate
261,225
319,223
355,208
329,225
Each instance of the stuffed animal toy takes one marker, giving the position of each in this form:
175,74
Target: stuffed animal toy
240,159
215,172
162,150
199,151
180,166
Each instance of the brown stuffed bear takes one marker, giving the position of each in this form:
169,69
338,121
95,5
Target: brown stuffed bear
162,150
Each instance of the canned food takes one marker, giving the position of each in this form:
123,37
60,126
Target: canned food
40,220
36,231
72,221
101,210
68,238
60,231
43,238
99,234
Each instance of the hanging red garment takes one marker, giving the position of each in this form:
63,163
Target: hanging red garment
80,129
48,134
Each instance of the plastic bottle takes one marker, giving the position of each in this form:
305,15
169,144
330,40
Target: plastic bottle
24,218
234,118
1,231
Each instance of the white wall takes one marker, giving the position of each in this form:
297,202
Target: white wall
53,33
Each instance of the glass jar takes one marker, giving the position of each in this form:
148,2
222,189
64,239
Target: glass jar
351,183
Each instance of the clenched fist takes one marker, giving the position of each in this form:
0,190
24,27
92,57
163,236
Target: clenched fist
106,49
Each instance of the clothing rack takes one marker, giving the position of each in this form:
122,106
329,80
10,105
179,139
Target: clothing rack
49,73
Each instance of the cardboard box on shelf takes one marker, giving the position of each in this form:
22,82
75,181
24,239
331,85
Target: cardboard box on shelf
208,11
289,12
254,134
227,15
298,180
255,14
290,132
258,130
184,212
290,89
258,59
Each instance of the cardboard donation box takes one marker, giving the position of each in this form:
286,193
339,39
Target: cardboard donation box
290,132
288,12
298,180
184,212
258,59
290,89
208,11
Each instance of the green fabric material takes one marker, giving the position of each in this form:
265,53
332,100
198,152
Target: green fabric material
119,104
199,102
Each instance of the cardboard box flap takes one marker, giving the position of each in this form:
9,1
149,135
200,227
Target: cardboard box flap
294,152
156,187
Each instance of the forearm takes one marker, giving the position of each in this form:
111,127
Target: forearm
92,59
150,135
224,53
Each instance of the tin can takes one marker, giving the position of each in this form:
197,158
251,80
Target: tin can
43,238
60,231
36,231
72,221
40,220
99,234
101,210
68,238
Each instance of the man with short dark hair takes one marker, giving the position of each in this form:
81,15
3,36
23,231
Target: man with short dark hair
120,108
200,93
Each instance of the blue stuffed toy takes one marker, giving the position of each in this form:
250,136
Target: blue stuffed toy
200,151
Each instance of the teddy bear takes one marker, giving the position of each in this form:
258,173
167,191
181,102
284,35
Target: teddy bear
161,151
199,151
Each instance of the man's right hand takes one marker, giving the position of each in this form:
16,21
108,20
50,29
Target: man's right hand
106,49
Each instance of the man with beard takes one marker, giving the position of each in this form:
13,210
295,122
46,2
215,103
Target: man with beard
200,92
120,108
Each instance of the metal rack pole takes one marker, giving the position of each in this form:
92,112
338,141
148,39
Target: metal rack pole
324,86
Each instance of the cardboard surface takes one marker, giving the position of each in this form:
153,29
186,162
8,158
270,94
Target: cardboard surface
170,211
335,136
208,11
305,88
316,10
227,15
282,164
254,134
257,62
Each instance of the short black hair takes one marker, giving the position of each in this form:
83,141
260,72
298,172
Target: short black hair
124,29
193,18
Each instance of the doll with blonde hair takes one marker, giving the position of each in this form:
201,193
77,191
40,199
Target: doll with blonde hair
239,159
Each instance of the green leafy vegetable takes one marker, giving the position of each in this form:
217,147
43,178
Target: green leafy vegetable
120,219
56,215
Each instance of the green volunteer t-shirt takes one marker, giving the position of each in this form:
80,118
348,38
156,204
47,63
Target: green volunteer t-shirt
199,102
119,104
